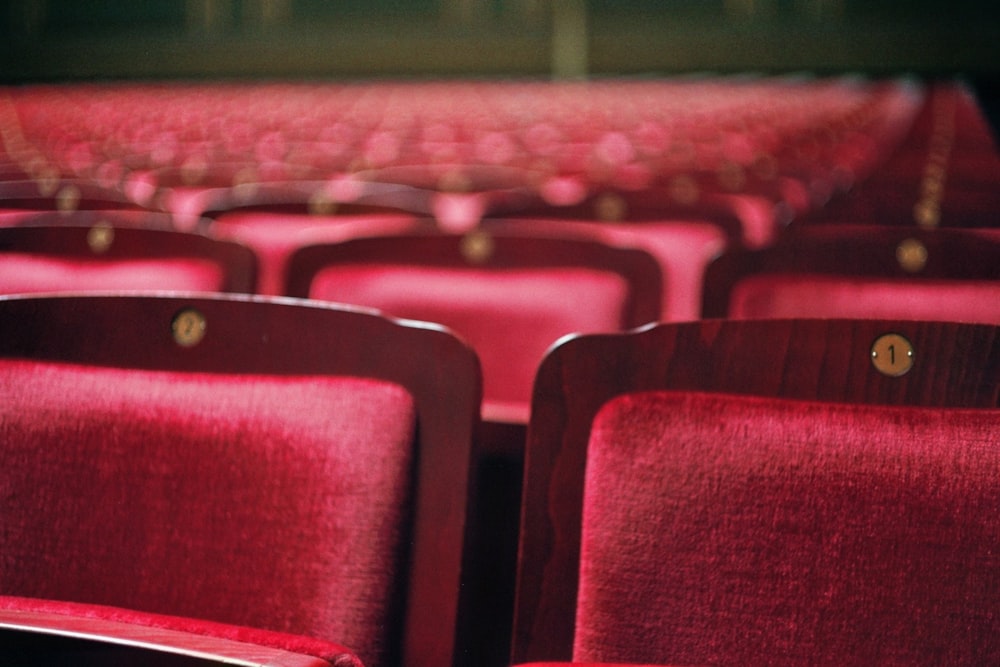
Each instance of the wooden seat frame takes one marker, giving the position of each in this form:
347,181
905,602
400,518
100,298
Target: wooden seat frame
829,360
245,334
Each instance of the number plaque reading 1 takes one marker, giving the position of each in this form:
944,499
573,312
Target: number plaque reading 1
892,355
188,327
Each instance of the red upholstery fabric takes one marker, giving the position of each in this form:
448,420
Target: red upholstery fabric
777,296
269,502
474,148
683,248
24,274
509,317
274,236
735,530
335,654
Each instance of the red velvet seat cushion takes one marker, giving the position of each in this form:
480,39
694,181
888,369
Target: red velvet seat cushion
510,317
779,295
25,274
739,530
271,502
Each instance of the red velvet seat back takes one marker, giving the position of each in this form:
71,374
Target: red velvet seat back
509,317
852,271
737,530
273,236
682,247
101,257
197,488
20,274
510,296
804,295
299,468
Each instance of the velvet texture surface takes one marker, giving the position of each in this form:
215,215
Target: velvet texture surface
335,654
793,295
682,248
738,530
509,317
277,503
275,236
26,274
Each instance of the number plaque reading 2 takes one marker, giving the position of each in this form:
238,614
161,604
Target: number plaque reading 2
892,355
188,327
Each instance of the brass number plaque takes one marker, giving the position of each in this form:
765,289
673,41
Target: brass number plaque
892,355
912,255
68,199
188,327
477,247
100,237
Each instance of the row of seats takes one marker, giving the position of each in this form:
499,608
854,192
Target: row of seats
746,153
490,134
237,476
511,289
512,213
730,163
703,163
743,154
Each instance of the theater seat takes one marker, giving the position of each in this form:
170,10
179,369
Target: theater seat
274,235
101,257
509,296
68,634
760,492
683,248
278,465
861,272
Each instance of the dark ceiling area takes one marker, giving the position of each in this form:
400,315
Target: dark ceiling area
122,39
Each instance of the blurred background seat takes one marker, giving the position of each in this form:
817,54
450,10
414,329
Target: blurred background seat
510,296
856,271
101,257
